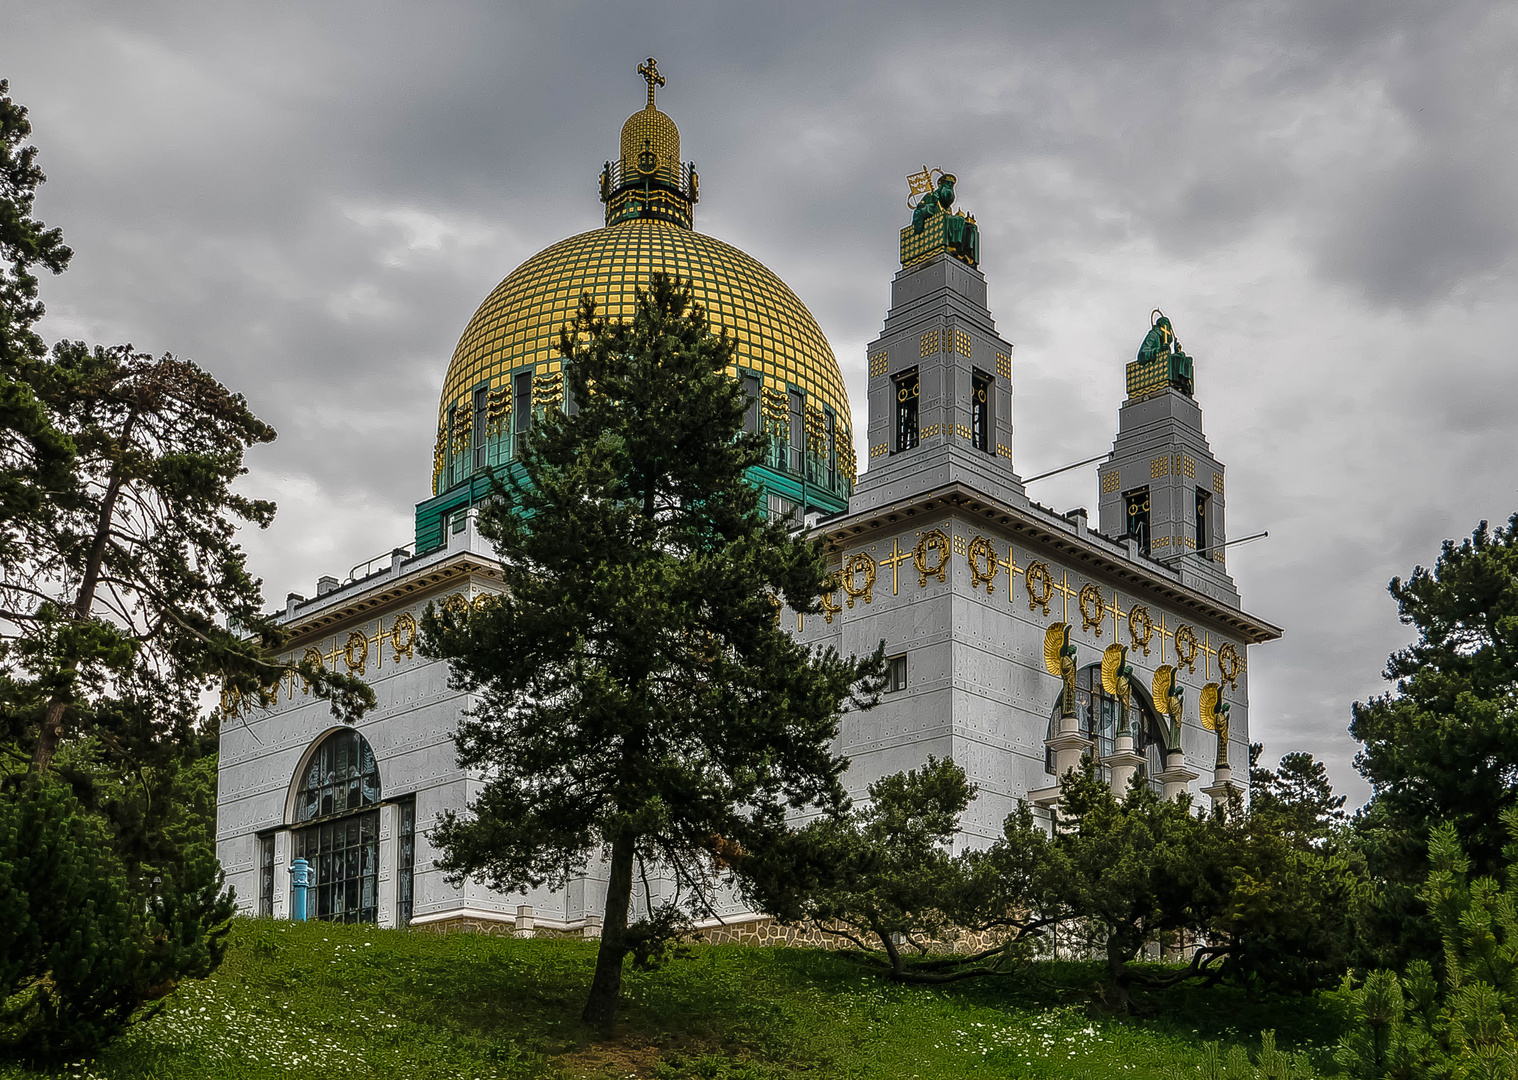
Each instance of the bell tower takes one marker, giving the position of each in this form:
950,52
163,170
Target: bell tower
940,377
1160,485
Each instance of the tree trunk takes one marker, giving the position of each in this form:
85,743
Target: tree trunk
1118,975
51,733
606,987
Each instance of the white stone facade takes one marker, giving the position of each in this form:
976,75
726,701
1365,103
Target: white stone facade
969,613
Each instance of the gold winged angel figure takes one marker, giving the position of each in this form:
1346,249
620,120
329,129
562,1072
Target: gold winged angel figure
1059,660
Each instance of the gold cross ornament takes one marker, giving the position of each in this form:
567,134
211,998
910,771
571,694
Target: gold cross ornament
894,560
650,71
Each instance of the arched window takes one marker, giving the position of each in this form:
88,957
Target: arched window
340,777
1097,712
338,794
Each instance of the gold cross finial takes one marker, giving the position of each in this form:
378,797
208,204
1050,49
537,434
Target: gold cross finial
650,71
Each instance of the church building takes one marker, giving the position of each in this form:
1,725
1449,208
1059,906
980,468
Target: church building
1020,638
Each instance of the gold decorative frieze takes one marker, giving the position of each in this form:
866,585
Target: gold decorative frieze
1186,646
858,564
1140,627
931,566
982,549
1229,664
829,600
1093,609
1040,585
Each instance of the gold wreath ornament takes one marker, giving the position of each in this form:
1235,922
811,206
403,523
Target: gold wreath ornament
1092,595
358,645
939,541
1140,627
403,635
982,548
457,606
1229,664
1038,571
1185,646
859,564
830,606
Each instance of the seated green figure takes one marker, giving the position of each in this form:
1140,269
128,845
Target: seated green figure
959,232
1161,343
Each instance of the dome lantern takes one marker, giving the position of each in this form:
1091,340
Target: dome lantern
648,179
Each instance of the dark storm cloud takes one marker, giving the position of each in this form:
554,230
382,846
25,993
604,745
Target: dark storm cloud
312,199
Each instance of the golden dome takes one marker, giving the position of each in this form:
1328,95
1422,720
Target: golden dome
654,132
517,327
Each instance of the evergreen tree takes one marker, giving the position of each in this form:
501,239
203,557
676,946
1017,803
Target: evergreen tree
884,878
1135,871
124,598
634,691
1444,746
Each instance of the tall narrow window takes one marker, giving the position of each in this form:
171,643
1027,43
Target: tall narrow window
266,875
1203,516
571,404
980,410
906,409
481,413
521,407
751,413
830,426
896,674
405,862
1136,505
451,452
798,431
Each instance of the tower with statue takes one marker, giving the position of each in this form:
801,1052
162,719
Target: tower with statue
1020,639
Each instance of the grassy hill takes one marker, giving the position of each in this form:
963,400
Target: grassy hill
314,1000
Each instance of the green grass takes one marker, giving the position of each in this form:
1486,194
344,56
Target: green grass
312,1000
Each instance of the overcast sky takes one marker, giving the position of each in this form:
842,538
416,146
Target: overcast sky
311,199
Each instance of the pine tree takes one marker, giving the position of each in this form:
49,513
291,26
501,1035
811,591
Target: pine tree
124,598
635,693
1444,746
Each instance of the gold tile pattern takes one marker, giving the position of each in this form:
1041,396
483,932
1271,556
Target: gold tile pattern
879,450
1003,450
657,131
1186,464
1003,365
962,342
1217,482
878,364
517,327
1111,481
1160,466
929,344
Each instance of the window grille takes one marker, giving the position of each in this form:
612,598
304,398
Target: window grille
907,388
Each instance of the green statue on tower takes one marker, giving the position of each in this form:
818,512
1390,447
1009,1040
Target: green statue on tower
1160,346
934,211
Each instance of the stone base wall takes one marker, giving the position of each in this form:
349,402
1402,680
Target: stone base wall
763,931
